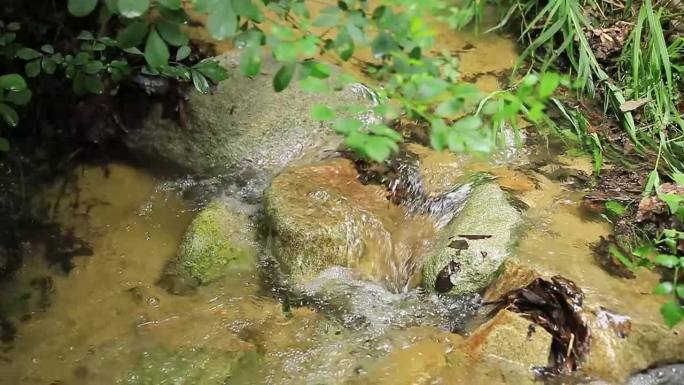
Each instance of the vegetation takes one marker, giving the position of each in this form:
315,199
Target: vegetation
633,69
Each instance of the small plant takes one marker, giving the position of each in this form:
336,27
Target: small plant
14,92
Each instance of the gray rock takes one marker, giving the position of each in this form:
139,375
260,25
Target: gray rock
243,130
474,245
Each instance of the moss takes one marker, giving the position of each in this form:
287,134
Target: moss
198,366
218,240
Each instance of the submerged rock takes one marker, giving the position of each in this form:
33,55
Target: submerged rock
200,366
218,240
321,216
510,337
473,245
243,128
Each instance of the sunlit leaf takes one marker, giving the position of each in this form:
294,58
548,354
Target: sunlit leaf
172,33
672,313
133,8
666,260
322,113
664,288
81,8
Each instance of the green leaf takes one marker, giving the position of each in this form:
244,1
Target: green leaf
172,33
12,82
81,8
85,35
326,20
664,288
171,4
549,83
183,53
383,130
133,35
469,123
246,8
94,85
680,291
47,48
28,54
4,145
617,253
133,8
49,65
19,98
9,115
379,148
666,260
344,46
615,208
673,201
156,51
200,82
222,22
384,44
250,61
312,84
284,76
653,181
316,69
212,70
347,125
33,68
322,113
94,67
672,313
678,178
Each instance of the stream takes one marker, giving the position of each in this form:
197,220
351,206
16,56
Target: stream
108,320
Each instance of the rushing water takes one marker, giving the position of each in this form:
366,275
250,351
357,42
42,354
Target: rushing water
94,322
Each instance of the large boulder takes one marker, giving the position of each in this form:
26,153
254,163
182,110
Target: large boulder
474,245
243,128
219,240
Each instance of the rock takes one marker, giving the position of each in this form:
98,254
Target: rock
617,353
474,245
621,345
321,216
243,128
666,375
218,240
361,304
510,337
188,366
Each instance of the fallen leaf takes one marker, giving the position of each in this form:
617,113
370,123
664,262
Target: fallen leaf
632,105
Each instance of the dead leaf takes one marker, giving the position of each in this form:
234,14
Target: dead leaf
632,105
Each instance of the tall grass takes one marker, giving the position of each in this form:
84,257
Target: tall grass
554,31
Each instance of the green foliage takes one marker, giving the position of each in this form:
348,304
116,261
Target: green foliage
150,40
13,92
663,253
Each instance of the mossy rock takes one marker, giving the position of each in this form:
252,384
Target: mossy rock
191,366
218,240
474,245
243,131
320,216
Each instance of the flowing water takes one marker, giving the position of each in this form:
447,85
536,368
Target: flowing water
91,325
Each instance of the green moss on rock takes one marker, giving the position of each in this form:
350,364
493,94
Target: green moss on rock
196,366
217,241
475,244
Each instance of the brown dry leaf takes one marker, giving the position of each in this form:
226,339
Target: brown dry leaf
632,105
